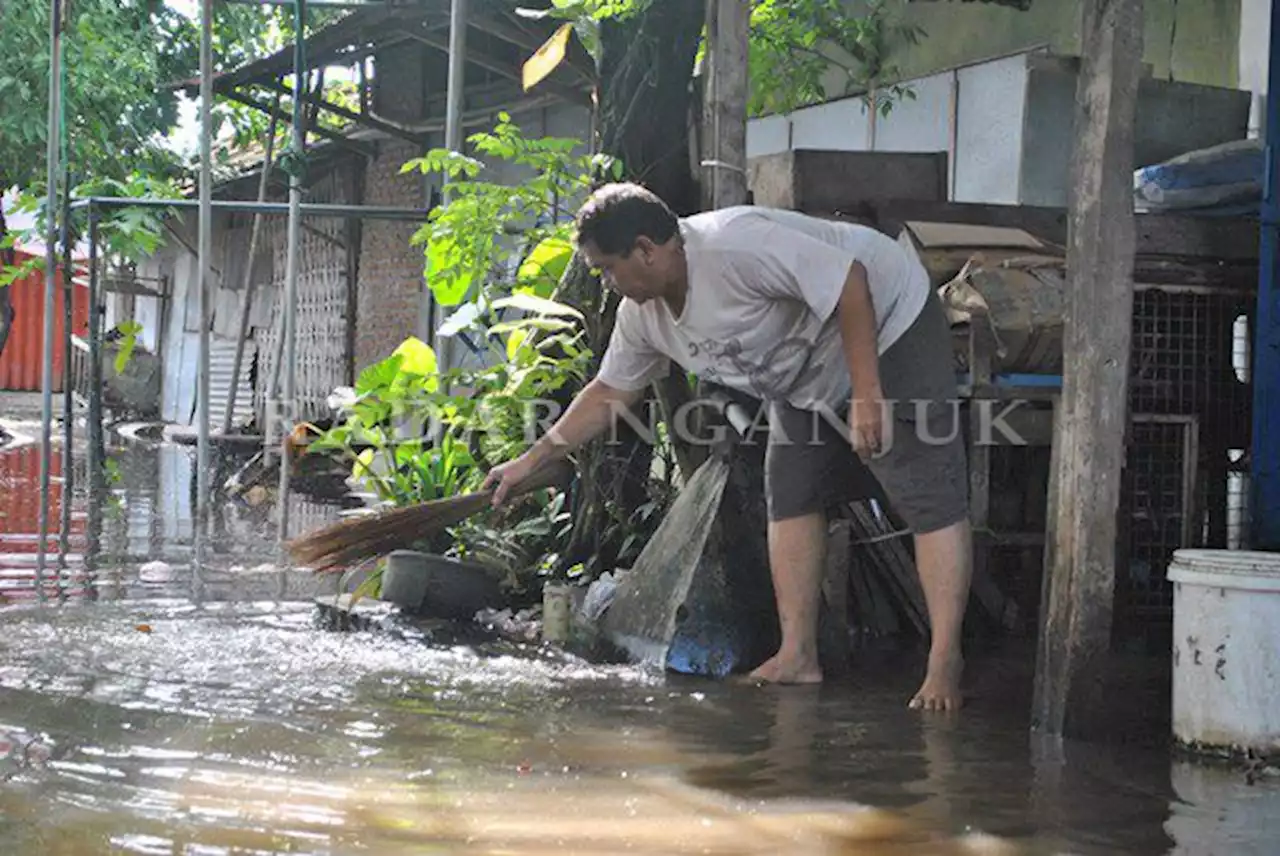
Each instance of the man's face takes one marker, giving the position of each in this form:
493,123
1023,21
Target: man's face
635,275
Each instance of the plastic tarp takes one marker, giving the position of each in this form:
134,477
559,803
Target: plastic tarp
1222,180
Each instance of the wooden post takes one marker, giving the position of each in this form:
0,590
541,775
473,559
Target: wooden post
1090,434
724,157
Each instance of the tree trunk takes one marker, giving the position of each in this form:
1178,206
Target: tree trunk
646,73
7,259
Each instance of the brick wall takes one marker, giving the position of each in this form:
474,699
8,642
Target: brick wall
390,288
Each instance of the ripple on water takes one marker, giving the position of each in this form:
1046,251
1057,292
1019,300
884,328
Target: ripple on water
241,728
143,723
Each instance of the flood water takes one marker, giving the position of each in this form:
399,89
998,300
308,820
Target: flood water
156,711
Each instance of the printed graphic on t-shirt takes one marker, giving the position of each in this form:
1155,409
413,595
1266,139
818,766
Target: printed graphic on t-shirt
773,376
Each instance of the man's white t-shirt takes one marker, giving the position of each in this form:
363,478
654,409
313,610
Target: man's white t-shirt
759,315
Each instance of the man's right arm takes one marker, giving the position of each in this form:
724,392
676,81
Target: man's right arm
630,363
591,411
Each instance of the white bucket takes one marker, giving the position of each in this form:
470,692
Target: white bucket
1226,651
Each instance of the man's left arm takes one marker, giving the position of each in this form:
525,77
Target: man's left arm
857,318
783,263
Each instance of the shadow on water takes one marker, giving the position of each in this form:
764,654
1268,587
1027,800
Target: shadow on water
160,711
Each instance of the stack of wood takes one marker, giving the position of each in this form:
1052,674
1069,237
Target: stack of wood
884,588
872,577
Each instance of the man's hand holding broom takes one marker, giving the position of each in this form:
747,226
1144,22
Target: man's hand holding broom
591,412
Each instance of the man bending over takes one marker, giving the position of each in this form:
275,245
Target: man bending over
820,320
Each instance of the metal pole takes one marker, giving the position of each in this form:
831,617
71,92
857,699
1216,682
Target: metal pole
51,271
204,253
452,140
68,422
97,448
457,67
1265,481
290,307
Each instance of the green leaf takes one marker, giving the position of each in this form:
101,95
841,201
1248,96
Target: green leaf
541,271
514,343
130,331
525,323
446,272
418,362
539,305
379,376
463,319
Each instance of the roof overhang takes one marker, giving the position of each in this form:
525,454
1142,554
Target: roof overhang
498,43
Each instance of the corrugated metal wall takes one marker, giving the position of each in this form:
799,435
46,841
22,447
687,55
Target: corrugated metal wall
22,365
222,355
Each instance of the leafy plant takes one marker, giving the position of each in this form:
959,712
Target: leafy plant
413,434
470,240
521,544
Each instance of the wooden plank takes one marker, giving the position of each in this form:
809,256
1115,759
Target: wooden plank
1091,434
1048,224
339,139
724,113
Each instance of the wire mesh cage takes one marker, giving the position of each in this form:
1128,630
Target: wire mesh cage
1190,408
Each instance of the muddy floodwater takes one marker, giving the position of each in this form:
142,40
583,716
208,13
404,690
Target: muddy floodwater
148,709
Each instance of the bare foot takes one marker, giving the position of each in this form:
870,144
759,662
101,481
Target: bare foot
941,688
787,670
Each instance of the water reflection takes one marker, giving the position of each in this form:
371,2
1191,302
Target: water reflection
145,523
180,715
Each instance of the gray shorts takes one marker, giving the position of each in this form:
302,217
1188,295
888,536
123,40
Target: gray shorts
922,469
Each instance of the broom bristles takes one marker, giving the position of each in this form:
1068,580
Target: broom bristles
368,536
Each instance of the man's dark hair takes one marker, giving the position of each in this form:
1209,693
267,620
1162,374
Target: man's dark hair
615,215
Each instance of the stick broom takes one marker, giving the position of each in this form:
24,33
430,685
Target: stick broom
356,539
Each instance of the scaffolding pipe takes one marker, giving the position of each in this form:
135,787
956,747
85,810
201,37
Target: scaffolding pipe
290,307
51,269
204,259
248,206
93,425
